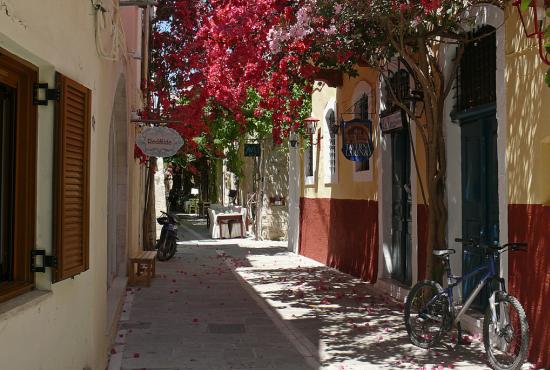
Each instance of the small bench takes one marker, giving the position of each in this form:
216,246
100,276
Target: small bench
142,268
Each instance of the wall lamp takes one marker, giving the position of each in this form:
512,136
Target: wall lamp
537,13
311,128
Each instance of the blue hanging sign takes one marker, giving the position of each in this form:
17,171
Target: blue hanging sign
252,150
357,143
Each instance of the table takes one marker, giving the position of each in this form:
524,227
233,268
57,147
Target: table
230,219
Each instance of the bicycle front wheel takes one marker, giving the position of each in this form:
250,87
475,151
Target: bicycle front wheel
426,309
506,337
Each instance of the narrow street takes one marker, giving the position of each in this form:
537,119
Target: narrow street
241,304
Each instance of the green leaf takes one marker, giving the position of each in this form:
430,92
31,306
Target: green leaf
525,4
547,32
547,47
547,78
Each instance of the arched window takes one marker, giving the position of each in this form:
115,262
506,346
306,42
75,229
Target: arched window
361,98
331,156
361,110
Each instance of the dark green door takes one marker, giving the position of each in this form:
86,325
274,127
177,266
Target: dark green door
479,192
401,207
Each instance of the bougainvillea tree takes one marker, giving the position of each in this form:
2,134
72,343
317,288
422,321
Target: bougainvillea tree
210,54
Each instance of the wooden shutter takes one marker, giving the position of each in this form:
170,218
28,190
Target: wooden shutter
71,179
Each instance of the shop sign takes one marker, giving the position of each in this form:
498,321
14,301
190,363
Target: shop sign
357,140
159,141
252,150
391,122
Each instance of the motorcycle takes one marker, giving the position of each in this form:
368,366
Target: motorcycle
166,246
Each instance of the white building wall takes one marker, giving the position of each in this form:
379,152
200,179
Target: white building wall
64,326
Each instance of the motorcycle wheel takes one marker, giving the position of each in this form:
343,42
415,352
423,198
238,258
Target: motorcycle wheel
162,250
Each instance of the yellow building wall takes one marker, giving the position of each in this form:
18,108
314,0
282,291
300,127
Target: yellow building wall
345,187
528,102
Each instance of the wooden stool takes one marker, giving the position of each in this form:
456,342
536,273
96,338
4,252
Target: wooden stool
142,268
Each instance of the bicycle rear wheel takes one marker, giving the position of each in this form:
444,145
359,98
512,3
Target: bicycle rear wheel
506,339
426,310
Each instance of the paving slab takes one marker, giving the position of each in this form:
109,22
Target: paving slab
197,315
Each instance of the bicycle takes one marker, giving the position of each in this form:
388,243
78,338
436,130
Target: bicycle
504,319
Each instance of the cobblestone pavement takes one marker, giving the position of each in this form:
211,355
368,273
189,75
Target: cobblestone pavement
240,304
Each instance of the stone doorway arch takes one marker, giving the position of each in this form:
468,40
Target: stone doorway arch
117,198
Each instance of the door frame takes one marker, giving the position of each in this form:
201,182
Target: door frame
384,168
493,16
404,234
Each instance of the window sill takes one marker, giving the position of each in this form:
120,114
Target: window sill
21,303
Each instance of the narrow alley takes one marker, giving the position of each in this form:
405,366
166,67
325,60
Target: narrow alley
242,304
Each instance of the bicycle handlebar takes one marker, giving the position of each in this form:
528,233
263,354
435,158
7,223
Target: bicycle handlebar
513,246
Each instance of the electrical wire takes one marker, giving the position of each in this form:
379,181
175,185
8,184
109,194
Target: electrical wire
118,46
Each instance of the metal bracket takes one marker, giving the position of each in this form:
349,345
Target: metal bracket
40,264
50,94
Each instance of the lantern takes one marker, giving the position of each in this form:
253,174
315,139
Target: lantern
537,13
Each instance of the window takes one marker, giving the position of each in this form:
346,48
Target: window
361,110
330,145
331,121
309,165
18,138
7,173
477,71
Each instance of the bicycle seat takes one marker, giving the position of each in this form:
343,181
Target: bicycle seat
443,252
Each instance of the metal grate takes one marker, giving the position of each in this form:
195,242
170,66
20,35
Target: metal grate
226,328
361,107
309,160
476,80
331,121
361,110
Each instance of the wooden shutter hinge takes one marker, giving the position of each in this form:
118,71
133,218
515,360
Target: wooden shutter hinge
39,260
49,94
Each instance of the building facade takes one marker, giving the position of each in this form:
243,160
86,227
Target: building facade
373,224
71,188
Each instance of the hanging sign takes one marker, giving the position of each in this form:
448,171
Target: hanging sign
159,141
252,150
357,140
391,122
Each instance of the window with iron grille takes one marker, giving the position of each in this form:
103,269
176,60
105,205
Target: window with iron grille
331,121
476,82
361,110
399,86
309,160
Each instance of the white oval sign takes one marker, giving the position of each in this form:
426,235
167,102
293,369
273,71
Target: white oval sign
159,141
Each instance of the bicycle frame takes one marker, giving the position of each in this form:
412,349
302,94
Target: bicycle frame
489,272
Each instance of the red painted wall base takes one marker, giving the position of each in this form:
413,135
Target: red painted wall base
529,274
341,233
